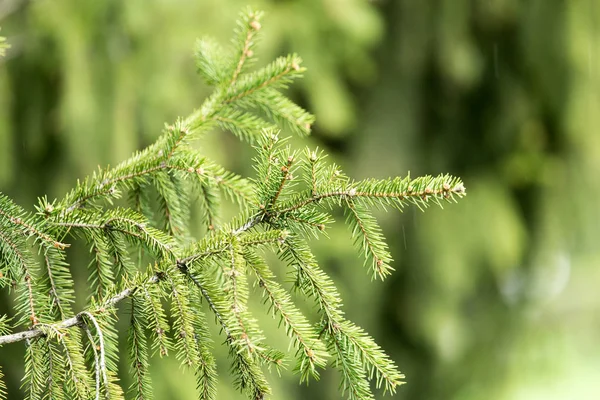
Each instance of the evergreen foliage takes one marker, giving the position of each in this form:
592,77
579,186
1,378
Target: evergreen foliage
142,252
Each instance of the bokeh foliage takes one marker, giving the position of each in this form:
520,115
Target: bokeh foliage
493,298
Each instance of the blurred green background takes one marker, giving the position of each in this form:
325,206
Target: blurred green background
493,298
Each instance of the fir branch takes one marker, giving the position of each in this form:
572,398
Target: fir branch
243,348
134,226
354,378
310,279
244,125
206,295
19,258
210,200
243,328
315,161
345,339
309,223
101,278
58,281
285,174
211,61
238,189
55,373
370,354
249,377
217,245
173,202
280,110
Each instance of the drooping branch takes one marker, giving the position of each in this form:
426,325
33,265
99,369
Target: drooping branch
277,211
35,332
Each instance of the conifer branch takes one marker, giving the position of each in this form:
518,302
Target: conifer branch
372,242
157,319
206,371
30,229
277,212
419,197
285,174
311,352
253,26
54,289
208,298
77,381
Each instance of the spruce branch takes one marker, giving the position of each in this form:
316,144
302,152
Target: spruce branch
248,26
206,372
395,192
276,75
280,110
311,352
211,61
249,377
137,340
58,282
29,228
56,369
35,369
77,374
346,341
368,234
185,342
145,252
157,319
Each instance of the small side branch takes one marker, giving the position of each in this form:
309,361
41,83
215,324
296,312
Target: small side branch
253,27
184,270
445,191
30,229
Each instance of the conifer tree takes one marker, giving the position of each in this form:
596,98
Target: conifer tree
142,251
